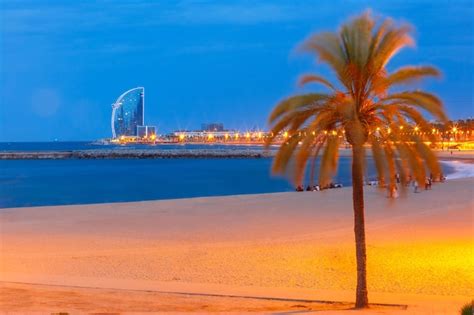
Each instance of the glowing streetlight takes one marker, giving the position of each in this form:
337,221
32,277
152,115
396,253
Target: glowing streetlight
181,137
416,128
285,134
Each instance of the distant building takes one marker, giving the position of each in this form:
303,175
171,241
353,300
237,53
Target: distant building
212,127
141,131
128,113
219,136
146,131
150,131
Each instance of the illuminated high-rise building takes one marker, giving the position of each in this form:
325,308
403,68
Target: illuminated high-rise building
128,113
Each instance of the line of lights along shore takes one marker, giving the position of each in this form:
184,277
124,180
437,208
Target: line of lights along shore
128,126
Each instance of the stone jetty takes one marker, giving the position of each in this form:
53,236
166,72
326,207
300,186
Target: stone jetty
134,154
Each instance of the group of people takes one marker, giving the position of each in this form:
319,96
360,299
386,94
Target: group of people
393,189
318,187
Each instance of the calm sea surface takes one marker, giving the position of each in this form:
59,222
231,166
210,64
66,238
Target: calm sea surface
58,182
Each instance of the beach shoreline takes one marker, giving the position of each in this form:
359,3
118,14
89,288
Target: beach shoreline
280,245
96,175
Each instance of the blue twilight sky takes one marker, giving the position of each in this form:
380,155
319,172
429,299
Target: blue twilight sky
64,62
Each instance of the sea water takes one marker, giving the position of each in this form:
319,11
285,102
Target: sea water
61,182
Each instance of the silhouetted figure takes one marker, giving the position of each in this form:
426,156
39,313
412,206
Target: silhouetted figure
299,188
392,191
397,178
442,178
308,188
415,185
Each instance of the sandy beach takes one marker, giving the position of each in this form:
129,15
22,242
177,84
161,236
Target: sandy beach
282,252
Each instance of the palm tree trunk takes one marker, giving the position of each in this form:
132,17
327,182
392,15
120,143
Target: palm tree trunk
358,157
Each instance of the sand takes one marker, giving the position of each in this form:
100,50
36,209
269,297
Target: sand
206,254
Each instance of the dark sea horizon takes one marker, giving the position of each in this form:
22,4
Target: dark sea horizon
26,183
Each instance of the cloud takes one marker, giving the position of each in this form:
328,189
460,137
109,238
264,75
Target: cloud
41,17
233,13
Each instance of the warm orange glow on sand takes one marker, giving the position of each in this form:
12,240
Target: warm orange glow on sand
283,245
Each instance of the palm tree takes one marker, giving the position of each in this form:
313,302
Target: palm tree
368,107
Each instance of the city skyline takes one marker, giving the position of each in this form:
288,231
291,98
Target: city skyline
200,61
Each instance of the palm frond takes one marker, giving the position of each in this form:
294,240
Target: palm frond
295,102
312,78
429,157
379,159
424,100
392,41
284,154
329,161
327,48
410,74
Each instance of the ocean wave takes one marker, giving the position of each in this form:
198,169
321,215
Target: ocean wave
461,169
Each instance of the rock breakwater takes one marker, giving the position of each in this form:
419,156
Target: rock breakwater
133,154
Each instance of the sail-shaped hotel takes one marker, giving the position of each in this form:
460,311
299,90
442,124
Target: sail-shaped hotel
128,115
